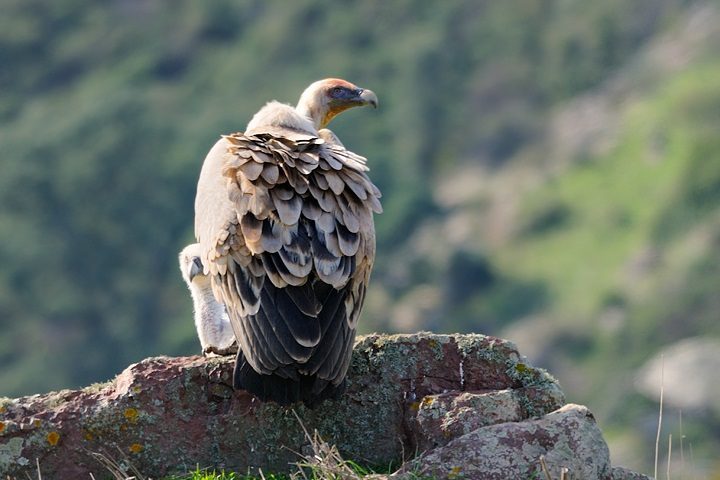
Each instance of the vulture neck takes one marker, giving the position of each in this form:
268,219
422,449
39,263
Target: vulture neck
279,115
208,313
312,107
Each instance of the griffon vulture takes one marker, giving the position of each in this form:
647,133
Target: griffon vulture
211,319
284,218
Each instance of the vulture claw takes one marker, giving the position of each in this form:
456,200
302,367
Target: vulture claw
213,351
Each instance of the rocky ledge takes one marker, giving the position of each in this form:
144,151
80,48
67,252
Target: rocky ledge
464,406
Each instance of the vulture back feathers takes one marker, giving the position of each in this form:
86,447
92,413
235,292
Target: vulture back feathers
284,217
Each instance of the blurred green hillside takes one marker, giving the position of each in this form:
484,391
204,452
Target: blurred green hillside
550,169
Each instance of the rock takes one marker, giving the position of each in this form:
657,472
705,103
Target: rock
566,438
620,473
440,418
406,393
165,413
683,369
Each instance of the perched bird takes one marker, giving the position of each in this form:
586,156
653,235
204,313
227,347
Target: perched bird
211,319
284,218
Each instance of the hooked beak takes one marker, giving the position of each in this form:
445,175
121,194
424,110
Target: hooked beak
368,97
196,268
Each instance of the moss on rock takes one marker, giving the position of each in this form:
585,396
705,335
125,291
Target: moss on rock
164,412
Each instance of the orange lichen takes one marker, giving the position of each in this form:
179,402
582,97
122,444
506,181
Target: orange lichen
36,422
2,426
53,438
415,406
427,401
454,472
136,448
2,409
131,414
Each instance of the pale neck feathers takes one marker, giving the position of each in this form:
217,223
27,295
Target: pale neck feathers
279,115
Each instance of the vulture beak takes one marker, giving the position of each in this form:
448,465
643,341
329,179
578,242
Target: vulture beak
196,268
368,97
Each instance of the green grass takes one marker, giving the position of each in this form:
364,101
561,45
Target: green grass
324,465
222,475
214,475
312,474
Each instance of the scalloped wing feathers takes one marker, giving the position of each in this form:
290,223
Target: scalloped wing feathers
289,249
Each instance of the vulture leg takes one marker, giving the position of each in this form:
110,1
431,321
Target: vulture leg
222,352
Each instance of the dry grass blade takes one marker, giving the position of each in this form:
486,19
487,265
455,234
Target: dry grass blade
37,466
692,461
669,455
119,469
662,391
682,449
326,463
544,467
564,471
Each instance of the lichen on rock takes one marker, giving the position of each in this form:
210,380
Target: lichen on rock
405,393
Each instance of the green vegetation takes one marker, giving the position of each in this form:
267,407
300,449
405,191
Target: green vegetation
325,463
639,238
214,475
603,239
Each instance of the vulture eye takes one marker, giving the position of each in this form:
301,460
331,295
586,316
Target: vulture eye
337,92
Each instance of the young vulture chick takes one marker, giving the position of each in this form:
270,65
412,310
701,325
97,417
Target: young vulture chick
284,218
211,320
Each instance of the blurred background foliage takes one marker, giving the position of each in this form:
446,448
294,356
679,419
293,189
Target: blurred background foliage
550,169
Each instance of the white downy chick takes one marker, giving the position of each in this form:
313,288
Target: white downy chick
211,319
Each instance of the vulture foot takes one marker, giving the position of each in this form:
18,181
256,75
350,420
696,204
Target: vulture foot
212,350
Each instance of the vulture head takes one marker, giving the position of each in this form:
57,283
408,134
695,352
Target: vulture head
325,99
191,265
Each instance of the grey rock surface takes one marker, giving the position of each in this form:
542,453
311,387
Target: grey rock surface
471,403
621,473
566,438
167,414
683,370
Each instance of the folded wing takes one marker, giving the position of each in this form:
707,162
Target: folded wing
285,223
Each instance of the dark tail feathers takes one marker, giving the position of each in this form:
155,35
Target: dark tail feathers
310,390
